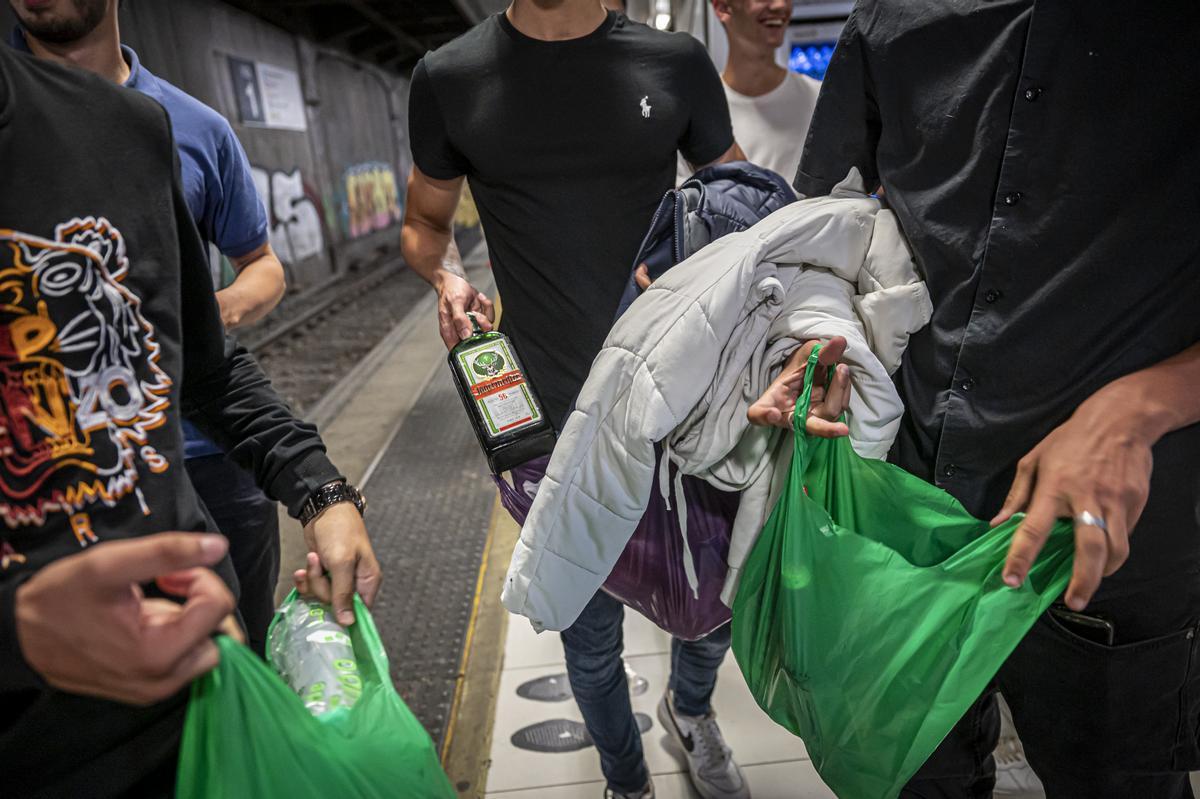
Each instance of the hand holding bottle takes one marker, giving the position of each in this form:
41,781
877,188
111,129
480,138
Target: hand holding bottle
456,298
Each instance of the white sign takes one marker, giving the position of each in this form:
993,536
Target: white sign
283,102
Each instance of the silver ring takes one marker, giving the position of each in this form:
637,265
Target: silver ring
1086,518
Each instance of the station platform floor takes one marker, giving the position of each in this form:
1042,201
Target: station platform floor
773,760
488,689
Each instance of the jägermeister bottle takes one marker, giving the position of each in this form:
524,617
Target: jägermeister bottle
504,409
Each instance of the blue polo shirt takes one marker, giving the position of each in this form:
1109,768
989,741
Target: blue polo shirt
217,180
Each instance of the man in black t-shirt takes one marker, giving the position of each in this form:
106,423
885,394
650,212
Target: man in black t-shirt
567,121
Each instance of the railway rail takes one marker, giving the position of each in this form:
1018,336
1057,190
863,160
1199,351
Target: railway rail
321,338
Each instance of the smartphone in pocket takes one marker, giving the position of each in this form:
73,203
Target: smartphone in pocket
1091,628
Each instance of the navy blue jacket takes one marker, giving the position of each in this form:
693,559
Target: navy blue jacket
714,202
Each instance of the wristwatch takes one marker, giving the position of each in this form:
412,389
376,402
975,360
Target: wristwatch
331,494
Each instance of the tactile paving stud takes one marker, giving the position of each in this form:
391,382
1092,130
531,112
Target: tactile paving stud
563,735
557,687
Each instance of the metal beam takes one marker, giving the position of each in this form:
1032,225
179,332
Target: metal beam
410,42
466,12
367,40
324,33
386,54
372,52
434,24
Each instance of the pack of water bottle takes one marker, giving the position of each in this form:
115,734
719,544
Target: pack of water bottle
314,655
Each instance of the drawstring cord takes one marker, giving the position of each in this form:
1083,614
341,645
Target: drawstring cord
664,488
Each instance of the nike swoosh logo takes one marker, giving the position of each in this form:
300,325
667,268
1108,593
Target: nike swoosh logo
688,743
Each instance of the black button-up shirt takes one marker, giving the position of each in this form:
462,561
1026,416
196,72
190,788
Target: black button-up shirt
1044,161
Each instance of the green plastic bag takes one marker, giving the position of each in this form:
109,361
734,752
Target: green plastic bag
247,734
872,612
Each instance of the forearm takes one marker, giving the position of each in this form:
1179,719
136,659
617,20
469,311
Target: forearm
1159,399
255,292
236,405
430,251
734,153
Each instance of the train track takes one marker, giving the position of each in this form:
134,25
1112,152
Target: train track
320,340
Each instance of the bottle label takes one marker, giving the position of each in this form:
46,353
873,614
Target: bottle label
498,388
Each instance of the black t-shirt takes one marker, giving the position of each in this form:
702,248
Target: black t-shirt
108,328
1051,201
568,147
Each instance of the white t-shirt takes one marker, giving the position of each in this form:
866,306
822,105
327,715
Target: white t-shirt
771,128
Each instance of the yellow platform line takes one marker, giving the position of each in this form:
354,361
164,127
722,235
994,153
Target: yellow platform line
460,682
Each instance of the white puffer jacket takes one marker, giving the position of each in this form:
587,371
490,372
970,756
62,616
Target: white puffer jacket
682,367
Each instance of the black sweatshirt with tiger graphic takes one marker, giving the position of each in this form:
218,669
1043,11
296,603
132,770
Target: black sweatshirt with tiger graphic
109,331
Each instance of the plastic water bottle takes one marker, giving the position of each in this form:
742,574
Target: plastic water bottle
313,653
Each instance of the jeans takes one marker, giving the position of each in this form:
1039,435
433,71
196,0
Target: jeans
1097,721
593,646
250,521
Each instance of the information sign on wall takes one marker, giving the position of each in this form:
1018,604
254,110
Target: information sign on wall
267,95
246,91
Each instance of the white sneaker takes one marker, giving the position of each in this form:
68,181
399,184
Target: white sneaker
710,763
644,793
1014,777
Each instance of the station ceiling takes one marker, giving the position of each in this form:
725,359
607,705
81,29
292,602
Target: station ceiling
391,33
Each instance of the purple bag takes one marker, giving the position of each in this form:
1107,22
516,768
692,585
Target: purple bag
651,576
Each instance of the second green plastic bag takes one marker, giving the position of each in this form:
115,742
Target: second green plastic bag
247,734
872,613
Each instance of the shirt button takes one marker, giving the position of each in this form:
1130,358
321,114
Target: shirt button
949,470
991,296
967,384
1012,198
1033,93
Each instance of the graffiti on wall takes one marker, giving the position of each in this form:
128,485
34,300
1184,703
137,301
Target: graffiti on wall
372,199
296,228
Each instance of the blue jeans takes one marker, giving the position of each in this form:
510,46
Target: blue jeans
593,646
250,520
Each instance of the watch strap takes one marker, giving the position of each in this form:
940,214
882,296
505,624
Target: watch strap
328,495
